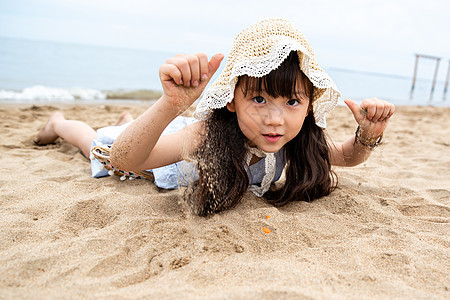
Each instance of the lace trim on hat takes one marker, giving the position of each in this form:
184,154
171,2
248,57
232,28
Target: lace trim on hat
221,93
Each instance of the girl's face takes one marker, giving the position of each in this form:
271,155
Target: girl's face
269,122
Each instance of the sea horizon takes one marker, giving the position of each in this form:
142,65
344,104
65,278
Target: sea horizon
45,71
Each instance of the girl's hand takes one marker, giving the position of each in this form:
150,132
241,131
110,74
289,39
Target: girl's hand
372,116
184,77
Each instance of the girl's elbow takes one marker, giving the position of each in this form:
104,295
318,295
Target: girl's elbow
117,160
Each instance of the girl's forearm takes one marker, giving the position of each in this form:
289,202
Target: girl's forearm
183,79
136,142
354,152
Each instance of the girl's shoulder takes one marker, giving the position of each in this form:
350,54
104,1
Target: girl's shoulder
182,122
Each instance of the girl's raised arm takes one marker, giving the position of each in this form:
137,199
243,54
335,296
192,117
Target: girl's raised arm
140,146
372,117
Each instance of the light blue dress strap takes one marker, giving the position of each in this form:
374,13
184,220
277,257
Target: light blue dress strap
256,171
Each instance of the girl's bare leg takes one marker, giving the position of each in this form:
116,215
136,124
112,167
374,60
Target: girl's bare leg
76,133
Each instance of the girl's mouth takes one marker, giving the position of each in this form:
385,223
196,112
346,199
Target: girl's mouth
272,138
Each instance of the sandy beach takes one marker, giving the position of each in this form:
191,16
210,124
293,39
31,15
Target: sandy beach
384,233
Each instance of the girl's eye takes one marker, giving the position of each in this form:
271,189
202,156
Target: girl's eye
293,102
259,100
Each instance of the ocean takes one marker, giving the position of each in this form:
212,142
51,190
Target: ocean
42,71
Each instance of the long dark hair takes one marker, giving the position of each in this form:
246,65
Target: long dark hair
308,168
223,178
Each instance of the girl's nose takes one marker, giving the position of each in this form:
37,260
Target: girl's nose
274,115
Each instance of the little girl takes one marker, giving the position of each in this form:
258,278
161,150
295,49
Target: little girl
265,114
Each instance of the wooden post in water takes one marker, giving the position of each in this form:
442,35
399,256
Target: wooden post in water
438,59
414,77
446,82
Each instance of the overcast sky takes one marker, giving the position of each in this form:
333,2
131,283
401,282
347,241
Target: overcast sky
376,36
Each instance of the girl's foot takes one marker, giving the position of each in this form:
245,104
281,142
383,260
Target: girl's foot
124,118
47,135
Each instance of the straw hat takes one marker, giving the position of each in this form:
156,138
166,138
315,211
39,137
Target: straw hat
258,50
